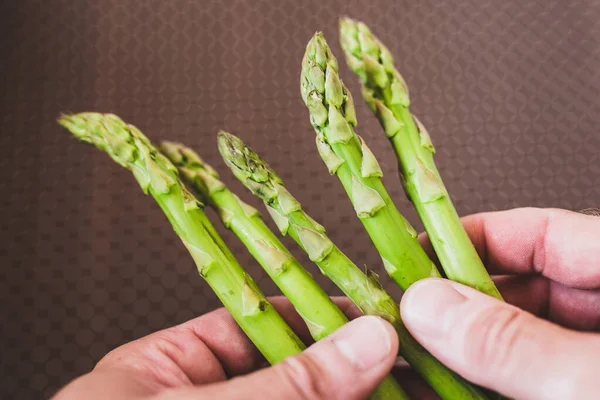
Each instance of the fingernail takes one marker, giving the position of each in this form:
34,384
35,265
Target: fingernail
364,342
427,305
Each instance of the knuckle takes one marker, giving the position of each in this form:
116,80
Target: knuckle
304,378
494,340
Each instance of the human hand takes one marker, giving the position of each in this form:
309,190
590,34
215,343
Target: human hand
198,358
556,262
549,351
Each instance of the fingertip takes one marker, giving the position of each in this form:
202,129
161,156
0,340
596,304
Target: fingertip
492,343
414,295
426,304
392,336
367,341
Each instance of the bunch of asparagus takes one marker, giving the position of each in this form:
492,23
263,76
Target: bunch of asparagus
161,172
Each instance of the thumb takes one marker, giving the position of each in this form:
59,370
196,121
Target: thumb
499,346
348,364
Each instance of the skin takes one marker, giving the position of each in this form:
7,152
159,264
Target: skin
210,357
545,344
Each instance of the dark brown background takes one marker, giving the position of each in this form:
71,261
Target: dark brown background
508,90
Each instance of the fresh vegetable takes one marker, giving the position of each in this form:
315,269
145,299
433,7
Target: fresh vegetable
346,155
315,307
386,93
156,175
363,288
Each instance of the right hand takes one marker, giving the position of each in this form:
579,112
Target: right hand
549,347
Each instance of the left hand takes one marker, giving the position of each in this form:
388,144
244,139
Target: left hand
198,358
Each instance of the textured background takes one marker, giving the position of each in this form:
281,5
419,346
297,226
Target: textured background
508,90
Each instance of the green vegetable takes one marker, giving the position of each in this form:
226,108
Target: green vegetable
346,155
386,93
363,288
321,315
157,176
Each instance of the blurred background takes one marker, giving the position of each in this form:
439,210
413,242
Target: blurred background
509,92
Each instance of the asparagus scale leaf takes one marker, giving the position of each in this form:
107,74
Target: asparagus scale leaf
363,288
157,176
386,93
347,156
319,312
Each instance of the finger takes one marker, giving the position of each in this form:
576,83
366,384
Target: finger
291,316
572,308
171,356
93,386
560,245
529,293
348,364
499,346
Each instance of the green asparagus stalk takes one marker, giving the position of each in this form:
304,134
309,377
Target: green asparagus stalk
157,176
386,93
319,312
322,316
346,155
363,288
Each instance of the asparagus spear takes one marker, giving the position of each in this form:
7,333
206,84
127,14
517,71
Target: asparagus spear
321,314
157,176
363,288
346,155
386,93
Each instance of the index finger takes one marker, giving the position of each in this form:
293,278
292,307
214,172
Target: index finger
206,349
230,345
561,245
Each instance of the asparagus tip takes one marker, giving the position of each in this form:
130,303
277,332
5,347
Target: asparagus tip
173,152
231,149
74,123
247,166
346,24
183,156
